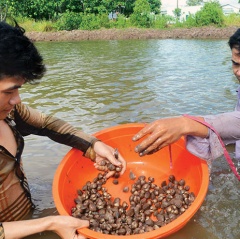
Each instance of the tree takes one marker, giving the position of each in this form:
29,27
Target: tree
177,13
45,9
3,10
141,11
53,9
211,13
155,6
194,2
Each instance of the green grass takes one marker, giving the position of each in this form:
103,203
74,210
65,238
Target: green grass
30,25
232,20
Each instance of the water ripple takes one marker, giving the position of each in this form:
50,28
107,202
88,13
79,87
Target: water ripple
95,85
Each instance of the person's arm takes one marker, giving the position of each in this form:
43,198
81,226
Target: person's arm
227,125
32,121
200,140
163,132
65,226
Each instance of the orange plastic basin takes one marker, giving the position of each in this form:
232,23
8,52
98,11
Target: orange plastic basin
75,170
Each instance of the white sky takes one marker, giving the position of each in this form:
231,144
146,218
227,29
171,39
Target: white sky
173,3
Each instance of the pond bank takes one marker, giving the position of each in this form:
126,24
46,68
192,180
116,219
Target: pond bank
134,33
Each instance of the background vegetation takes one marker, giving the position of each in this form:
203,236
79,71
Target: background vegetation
53,15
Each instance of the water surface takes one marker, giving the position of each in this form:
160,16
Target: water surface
98,84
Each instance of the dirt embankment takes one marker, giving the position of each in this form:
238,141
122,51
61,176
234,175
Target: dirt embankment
132,33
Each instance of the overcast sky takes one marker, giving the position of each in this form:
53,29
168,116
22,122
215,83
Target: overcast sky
173,3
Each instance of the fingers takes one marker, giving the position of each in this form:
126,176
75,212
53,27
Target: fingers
83,223
145,144
123,163
110,174
146,130
105,169
112,159
149,146
152,142
105,152
117,159
80,237
103,166
68,227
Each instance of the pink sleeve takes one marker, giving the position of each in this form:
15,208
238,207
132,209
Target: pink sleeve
228,127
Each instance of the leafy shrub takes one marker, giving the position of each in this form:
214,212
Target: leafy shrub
190,21
121,22
160,22
103,20
142,20
211,13
178,24
90,22
69,21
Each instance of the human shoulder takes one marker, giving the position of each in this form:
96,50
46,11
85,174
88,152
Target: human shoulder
22,111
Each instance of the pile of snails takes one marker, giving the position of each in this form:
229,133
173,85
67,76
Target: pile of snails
150,206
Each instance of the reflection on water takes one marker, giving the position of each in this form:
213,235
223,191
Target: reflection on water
98,84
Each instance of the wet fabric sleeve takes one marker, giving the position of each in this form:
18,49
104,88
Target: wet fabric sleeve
31,121
228,127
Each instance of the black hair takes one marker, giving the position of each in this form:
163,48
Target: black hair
18,56
234,40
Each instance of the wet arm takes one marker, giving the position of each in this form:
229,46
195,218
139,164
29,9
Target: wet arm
163,132
31,121
64,226
200,140
24,228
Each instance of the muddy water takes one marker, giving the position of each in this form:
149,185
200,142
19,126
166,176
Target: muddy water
98,84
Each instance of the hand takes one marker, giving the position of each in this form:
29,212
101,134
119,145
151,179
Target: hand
66,227
160,133
103,152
